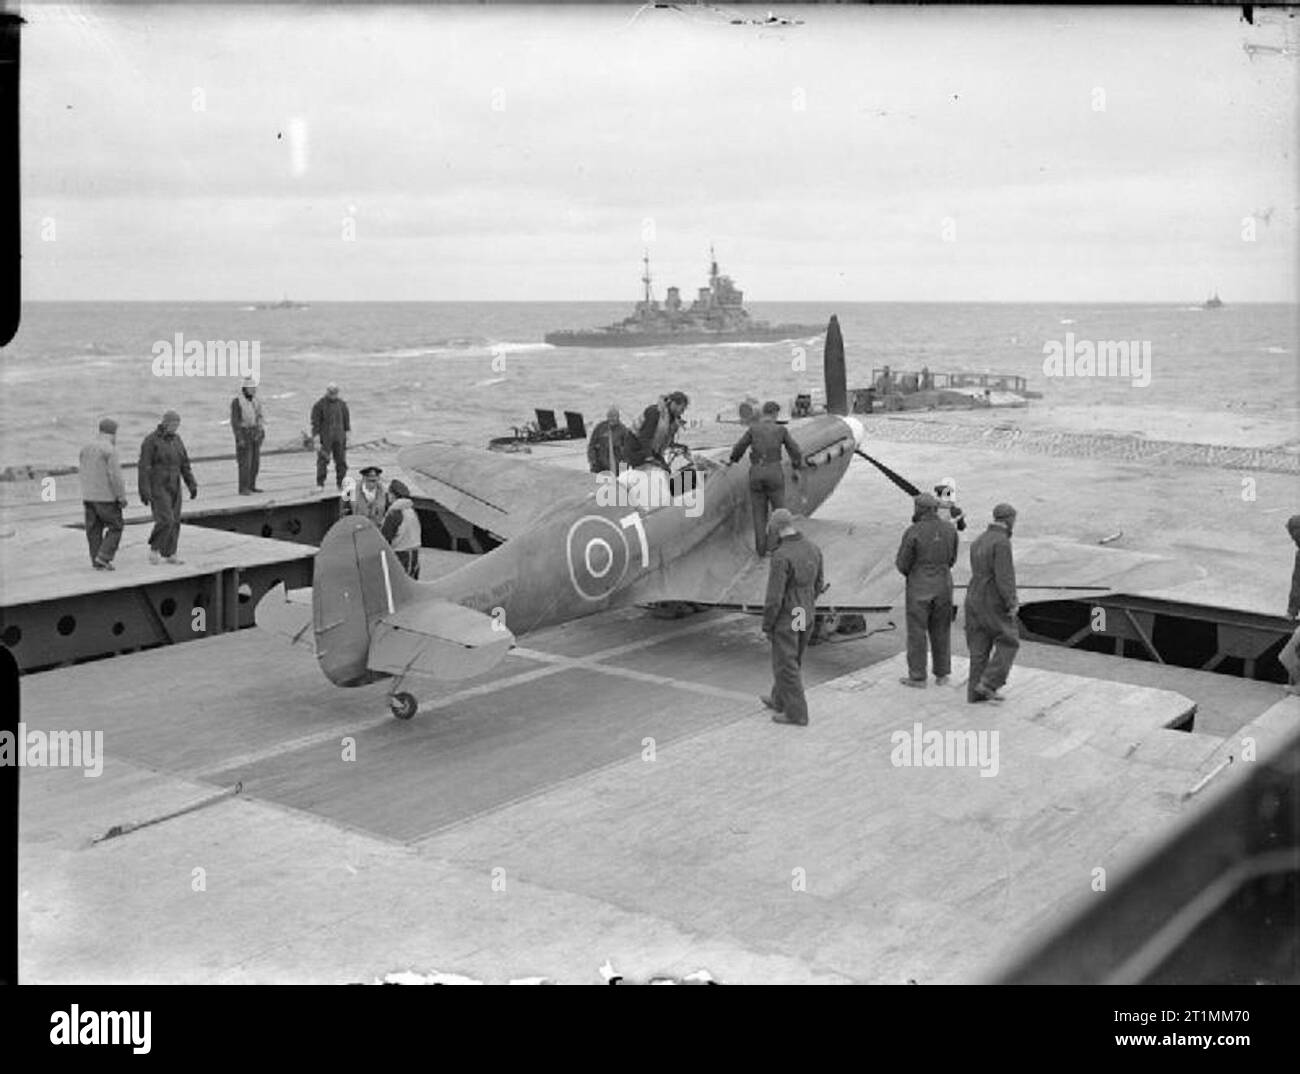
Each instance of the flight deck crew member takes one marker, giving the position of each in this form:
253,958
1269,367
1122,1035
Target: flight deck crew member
607,450
764,441
992,636
164,464
1289,658
657,429
103,495
250,430
371,498
401,528
925,557
945,492
1293,601
794,582
330,425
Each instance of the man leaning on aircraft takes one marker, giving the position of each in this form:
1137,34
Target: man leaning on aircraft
657,430
764,439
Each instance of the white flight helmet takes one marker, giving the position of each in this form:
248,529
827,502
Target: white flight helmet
949,484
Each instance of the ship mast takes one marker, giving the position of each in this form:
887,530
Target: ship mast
645,279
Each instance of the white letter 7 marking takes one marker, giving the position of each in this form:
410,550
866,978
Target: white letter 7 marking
633,521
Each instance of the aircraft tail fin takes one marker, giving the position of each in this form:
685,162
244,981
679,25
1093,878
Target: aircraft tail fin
837,392
356,580
373,620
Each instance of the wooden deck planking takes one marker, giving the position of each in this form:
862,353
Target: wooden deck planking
44,563
911,873
287,478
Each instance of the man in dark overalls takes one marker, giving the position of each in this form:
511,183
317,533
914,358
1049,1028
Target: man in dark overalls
764,440
992,636
925,557
331,425
1293,601
794,582
164,464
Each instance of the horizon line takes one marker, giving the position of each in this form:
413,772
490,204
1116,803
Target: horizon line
623,301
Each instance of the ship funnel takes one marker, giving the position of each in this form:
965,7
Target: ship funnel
837,392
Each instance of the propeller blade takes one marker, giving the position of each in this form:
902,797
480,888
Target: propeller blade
837,395
901,482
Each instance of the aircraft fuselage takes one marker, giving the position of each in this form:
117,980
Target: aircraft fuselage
585,558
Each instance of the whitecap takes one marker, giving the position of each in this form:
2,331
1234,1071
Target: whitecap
519,348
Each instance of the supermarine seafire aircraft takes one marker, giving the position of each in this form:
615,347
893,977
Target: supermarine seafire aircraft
572,549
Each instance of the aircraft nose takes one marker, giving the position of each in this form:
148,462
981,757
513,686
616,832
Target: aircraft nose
856,425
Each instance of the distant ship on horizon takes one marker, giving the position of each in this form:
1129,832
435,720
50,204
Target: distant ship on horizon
717,315
283,304
1214,302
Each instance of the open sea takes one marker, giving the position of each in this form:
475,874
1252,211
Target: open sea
468,371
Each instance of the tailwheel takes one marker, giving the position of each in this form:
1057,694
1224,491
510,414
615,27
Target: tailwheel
403,706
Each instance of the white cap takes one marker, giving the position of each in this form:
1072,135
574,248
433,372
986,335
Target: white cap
948,483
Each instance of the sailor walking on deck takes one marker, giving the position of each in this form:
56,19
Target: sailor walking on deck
764,440
247,424
103,495
164,464
926,557
992,637
794,582
330,425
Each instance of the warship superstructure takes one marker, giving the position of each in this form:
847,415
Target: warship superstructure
717,315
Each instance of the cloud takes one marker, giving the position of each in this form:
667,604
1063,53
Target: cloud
167,141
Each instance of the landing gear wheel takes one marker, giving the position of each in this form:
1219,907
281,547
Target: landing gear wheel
403,706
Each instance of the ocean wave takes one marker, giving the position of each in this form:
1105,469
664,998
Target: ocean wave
436,347
489,381
1275,350
519,348
408,352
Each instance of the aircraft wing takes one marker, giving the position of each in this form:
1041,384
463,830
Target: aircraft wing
1053,568
724,572
859,565
499,493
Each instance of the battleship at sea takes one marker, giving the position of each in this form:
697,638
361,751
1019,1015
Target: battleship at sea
718,314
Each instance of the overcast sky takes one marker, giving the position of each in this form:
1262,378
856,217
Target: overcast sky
870,154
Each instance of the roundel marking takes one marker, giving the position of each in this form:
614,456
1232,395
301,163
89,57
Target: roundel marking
585,537
598,542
